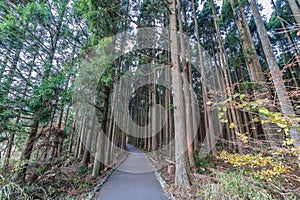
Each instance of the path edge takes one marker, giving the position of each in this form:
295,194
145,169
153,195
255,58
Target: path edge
93,193
161,180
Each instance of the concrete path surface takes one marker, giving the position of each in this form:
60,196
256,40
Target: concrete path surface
134,179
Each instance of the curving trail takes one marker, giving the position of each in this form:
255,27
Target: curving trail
134,179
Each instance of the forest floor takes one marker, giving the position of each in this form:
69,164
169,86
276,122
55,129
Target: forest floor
214,178
217,179
56,179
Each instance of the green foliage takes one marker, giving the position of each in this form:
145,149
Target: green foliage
11,190
234,185
84,186
82,170
171,106
36,10
41,171
203,163
46,96
102,18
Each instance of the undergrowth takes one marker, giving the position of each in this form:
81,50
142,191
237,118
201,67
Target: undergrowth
48,181
233,185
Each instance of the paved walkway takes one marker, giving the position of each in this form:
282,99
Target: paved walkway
134,179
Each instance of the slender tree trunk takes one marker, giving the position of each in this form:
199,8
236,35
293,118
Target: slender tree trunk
146,122
149,121
295,10
72,136
288,36
63,134
285,102
254,67
207,113
26,153
227,78
10,143
88,144
167,105
79,138
12,136
55,144
154,115
109,143
171,125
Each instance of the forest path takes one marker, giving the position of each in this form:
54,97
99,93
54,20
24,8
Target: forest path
134,179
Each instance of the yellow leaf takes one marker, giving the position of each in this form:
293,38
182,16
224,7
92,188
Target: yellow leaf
231,125
279,130
281,125
289,141
256,119
263,111
221,114
223,120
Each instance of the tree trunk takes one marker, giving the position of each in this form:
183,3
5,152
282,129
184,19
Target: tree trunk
207,113
187,98
154,115
288,36
26,153
72,136
79,138
254,67
285,102
88,144
295,10
227,78
182,169
100,154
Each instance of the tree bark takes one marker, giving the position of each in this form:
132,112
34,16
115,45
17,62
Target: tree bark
284,100
182,169
100,154
295,10
253,66
154,115
187,97
227,78
26,153
88,144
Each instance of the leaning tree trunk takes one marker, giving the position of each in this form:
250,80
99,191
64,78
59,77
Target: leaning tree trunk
292,44
253,65
295,10
284,100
